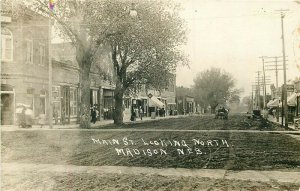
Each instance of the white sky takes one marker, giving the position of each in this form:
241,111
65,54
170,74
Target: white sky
232,35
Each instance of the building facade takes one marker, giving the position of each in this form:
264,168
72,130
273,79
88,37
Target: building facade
65,91
151,100
24,64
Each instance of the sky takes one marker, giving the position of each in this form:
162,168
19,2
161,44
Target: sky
234,34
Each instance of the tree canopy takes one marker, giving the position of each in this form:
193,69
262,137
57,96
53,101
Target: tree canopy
214,86
145,48
144,39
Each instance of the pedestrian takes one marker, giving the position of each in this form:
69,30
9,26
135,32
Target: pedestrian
274,112
55,115
94,115
133,116
265,113
42,120
163,112
141,113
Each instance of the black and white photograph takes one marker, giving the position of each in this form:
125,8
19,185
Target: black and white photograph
150,95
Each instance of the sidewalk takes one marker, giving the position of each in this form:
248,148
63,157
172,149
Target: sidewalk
96,125
251,175
290,125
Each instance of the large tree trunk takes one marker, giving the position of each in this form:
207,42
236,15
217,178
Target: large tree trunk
118,114
84,74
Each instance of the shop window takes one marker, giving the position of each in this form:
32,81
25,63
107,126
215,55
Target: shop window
7,44
95,97
127,103
56,98
73,101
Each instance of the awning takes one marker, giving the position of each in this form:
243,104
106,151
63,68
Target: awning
292,100
154,102
273,103
171,103
22,105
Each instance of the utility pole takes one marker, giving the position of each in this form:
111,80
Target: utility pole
264,82
50,112
276,72
258,90
274,67
284,73
251,106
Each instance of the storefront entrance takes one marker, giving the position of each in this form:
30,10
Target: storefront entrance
7,105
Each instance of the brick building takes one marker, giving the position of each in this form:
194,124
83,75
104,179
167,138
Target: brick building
24,64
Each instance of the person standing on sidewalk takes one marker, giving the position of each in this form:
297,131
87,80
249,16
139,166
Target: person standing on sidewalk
94,115
141,112
265,113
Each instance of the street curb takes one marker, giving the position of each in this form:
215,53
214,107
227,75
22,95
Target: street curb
277,123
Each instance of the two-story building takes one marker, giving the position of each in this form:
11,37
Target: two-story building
66,83
24,63
151,100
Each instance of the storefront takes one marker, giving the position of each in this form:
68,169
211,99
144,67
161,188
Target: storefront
7,104
156,105
64,104
108,103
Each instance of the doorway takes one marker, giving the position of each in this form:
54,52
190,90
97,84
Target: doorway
7,105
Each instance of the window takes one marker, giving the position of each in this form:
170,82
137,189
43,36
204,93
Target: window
56,93
95,97
73,101
56,102
7,44
127,103
29,51
42,54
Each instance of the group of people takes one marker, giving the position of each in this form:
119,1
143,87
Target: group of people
161,112
139,112
134,112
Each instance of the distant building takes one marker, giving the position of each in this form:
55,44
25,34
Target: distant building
186,102
151,100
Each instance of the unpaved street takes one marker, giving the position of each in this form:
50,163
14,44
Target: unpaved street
227,158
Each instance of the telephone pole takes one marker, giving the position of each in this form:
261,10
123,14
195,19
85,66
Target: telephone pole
284,73
50,111
274,66
264,81
258,90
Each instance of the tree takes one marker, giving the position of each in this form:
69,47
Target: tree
145,49
214,86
